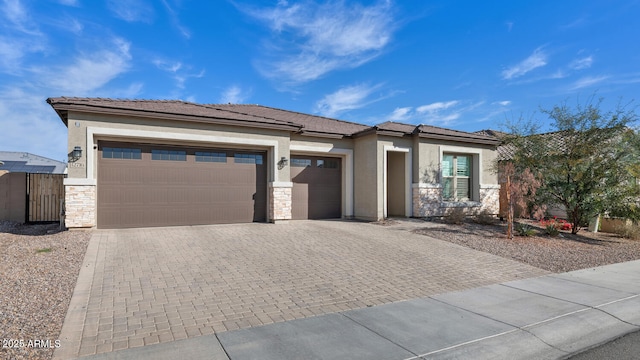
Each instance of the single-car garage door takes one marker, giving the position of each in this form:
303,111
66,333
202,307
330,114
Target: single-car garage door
142,185
317,187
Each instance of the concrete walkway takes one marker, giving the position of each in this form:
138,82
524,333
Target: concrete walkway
548,317
142,287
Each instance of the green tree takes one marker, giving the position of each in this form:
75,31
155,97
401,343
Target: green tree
590,163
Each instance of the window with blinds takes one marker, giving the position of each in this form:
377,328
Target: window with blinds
456,177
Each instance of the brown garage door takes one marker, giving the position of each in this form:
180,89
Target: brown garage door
142,185
317,187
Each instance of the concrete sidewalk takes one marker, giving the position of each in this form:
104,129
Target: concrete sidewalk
548,317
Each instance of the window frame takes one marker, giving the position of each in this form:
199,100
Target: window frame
137,152
210,157
168,155
474,166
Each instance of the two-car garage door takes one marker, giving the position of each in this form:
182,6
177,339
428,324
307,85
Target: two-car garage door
142,185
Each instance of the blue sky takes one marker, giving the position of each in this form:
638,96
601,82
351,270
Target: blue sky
466,65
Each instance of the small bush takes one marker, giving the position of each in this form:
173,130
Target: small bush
454,216
484,217
551,230
524,230
629,231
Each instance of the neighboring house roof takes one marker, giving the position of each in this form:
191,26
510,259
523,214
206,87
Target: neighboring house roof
555,141
26,162
255,116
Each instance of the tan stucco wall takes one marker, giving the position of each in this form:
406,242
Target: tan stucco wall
365,177
13,189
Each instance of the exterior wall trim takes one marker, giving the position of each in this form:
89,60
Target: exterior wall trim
347,167
79,182
92,132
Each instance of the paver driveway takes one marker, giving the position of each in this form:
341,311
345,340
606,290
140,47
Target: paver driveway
144,286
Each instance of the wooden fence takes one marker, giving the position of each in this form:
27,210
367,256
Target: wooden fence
45,194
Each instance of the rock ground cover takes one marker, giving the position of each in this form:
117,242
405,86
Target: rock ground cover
39,267
561,253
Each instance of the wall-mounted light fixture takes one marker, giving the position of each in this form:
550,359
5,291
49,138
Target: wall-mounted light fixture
283,162
75,154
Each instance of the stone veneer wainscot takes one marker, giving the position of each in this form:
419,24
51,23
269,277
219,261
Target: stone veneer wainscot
280,202
427,200
80,206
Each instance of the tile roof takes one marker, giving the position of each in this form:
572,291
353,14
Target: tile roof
310,123
397,127
254,116
174,109
434,132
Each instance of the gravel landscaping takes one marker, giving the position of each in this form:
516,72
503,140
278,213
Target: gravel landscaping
39,266
562,253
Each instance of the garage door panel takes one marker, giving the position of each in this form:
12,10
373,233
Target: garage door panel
146,192
317,190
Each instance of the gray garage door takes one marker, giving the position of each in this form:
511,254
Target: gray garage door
141,185
317,187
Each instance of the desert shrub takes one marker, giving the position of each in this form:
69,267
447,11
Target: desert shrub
551,230
629,231
454,215
525,230
485,217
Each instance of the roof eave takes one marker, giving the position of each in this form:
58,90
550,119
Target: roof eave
321,134
64,108
492,142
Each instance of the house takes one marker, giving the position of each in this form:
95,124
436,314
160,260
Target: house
145,163
24,162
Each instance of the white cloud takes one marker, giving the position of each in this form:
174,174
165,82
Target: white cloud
39,130
587,81
18,16
400,114
131,10
325,37
442,113
185,32
346,98
502,103
233,95
179,72
534,61
14,49
167,65
89,72
583,63
437,106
